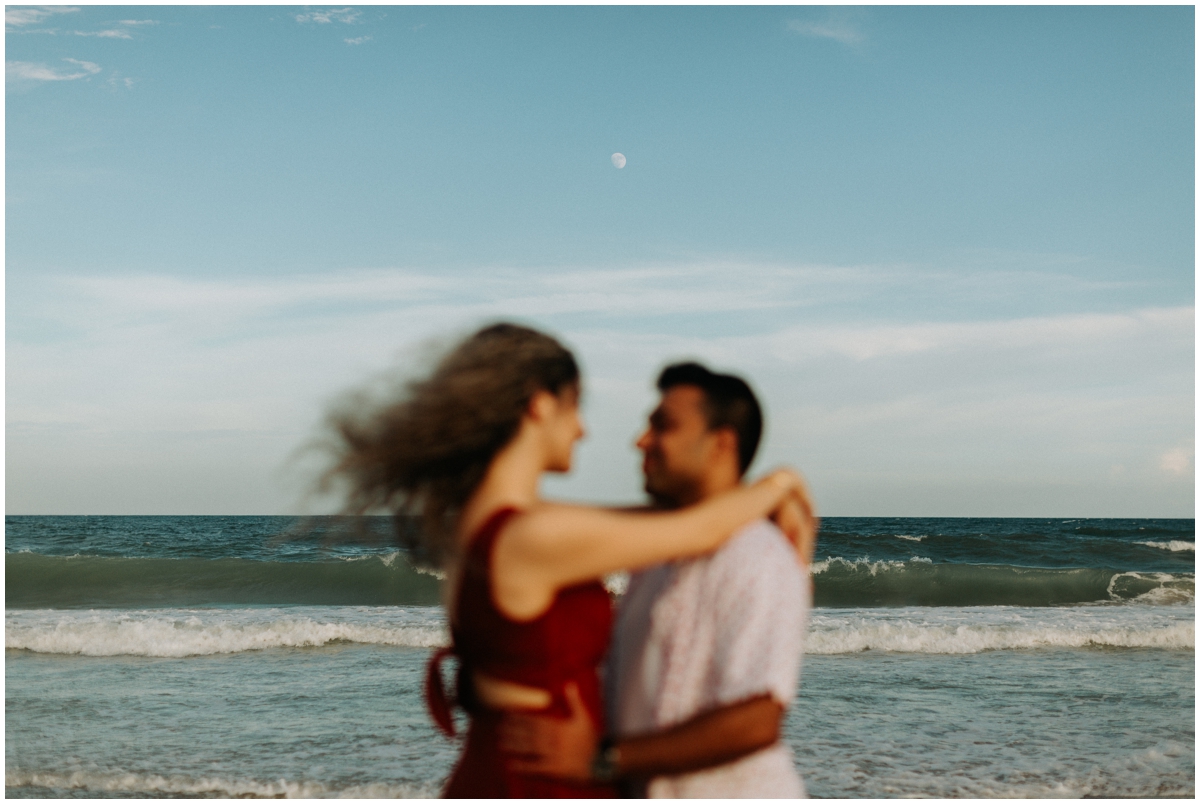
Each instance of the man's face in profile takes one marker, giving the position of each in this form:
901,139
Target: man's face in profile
677,447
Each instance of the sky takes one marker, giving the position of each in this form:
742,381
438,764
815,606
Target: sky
952,248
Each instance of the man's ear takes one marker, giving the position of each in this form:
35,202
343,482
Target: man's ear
727,441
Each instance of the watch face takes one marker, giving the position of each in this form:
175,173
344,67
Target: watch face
604,764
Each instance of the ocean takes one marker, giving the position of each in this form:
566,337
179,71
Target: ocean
267,656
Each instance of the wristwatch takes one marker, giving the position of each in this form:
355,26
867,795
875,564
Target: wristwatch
604,762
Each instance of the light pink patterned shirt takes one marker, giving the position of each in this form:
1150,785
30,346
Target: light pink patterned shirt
703,633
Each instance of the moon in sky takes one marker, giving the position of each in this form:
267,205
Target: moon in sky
618,161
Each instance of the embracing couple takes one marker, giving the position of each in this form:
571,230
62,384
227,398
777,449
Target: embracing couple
704,654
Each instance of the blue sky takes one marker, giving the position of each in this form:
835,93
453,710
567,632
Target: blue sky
952,247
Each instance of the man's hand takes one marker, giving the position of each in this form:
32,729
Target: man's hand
797,518
544,745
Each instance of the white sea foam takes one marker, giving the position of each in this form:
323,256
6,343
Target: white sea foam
178,633
441,576
1171,589
120,782
389,560
1166,595
1175,545
908,638
973,630
873,567
910,538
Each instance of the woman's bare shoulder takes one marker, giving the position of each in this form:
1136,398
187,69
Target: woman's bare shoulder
539,520
550,514
556,520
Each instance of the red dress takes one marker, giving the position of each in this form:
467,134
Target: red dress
566,643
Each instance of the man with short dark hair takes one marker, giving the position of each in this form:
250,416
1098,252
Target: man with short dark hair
705,655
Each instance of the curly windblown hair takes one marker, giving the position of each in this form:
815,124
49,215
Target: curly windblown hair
426,453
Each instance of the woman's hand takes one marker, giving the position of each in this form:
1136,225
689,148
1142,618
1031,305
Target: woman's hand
796,515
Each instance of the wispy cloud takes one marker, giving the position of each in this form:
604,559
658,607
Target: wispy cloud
1176,462
1057,332
838,26
651,289
29,71
16,17
17,20
343,15
358,40
113,33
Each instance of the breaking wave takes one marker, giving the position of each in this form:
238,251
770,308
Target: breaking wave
1175,545
833,636
71,582
175,634
920,582
180,633
39,581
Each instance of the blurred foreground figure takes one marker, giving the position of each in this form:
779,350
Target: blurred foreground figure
706,653
530,621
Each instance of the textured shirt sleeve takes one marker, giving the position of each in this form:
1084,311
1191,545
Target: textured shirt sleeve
759,599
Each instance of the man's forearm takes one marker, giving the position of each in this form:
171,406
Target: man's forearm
709,739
